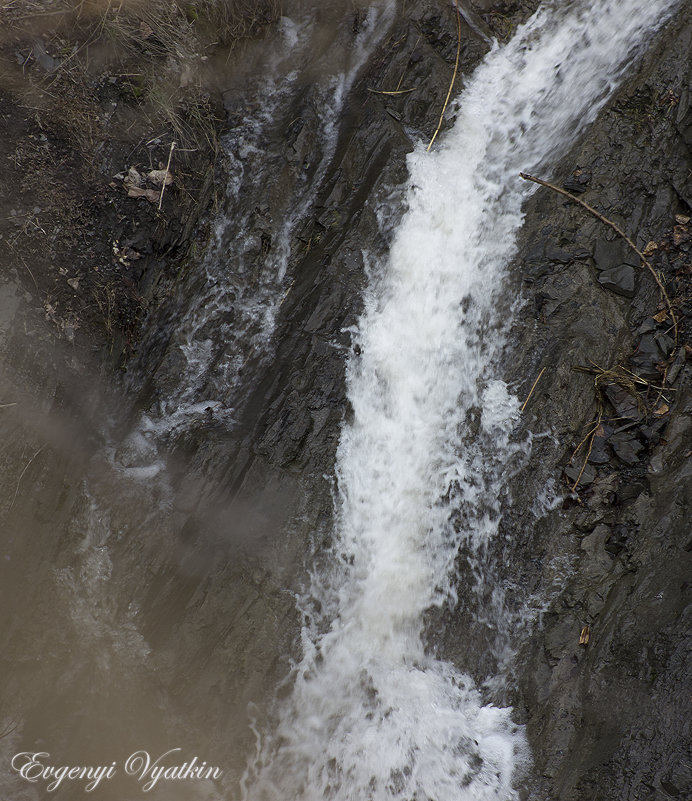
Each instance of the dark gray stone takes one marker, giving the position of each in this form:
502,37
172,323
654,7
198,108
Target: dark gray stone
620,280
624,403
665,343
627,448
646,358
608,254
648,326
599,451
588,475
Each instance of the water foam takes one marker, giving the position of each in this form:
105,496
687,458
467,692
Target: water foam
372,714
232,316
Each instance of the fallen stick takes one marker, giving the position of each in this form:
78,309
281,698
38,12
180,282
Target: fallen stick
163,185
528,398
618,231
454,76
395,92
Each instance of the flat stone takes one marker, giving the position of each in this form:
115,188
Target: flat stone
599,453
587,477
619,280
623,402
646,357
594,543
647,326
558,254
677,366
609,254
627,448
664,342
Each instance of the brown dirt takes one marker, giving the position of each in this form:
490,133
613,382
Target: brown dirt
88,90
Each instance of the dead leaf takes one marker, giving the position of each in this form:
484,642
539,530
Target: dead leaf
74,283
584,636
661,316
650,248
681,219
681,234
157,177
661,410
133,178
131,253
150,194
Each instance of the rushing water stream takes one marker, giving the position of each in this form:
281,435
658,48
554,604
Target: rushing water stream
373,714
369,712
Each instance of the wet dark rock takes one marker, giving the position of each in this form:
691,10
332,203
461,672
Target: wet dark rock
632,489
588,475
610,254
617,540
608,725
587,520
574,186
624,402
558,255
648,326
627,448
646,358
619,280
652,432
670,789
577,182
665,343
599,451
676,367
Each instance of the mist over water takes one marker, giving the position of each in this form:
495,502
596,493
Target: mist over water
372,714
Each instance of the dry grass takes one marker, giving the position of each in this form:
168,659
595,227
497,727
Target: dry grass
158,49
633,384
629,381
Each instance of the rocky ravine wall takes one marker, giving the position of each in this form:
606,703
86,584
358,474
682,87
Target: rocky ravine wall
611,719
605,721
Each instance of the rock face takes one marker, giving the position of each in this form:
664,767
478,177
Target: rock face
203,591
606,719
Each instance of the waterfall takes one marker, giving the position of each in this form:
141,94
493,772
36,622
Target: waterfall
230,314
371,713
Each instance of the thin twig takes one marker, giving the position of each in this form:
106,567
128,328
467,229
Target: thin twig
401,79
165,177
590,437
26,467
532,389
454,76
618,231
10,728
396,92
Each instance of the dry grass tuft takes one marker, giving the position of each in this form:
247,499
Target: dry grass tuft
158,50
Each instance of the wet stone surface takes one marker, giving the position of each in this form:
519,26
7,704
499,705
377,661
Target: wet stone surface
209,617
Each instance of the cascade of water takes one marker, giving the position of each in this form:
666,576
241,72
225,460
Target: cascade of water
232,312
372,715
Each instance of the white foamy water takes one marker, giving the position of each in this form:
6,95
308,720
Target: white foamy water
372,714
232,316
